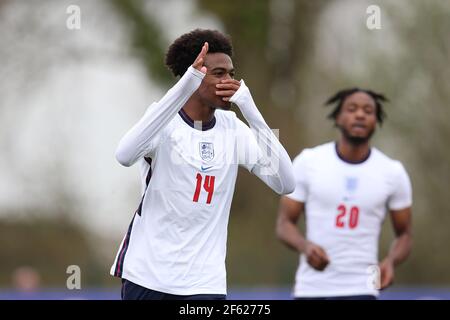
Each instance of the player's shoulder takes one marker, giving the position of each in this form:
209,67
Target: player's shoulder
225,114
382,160
228,119
312,154
317,151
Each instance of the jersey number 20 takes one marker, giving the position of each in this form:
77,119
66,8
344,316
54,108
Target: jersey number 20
208,186
352,220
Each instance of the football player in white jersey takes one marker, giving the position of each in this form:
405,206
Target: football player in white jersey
344,189
189,146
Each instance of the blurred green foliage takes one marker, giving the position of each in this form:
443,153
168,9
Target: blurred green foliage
147,42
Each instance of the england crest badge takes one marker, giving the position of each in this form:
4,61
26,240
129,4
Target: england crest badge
351,184
206,151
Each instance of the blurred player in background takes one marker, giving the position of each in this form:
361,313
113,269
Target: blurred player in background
345,188
188,146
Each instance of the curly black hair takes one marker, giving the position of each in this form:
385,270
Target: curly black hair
340,97
183,51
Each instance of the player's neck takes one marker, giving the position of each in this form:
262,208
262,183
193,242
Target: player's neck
351,152
197,111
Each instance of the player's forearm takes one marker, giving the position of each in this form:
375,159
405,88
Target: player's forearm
289,234
136,142
276,166
400,249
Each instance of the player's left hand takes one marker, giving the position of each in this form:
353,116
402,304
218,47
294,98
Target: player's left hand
386,273
227,88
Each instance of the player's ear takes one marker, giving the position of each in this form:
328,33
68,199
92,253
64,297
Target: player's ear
336,121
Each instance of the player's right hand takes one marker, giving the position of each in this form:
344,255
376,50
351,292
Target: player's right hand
227,88
200,60
316,256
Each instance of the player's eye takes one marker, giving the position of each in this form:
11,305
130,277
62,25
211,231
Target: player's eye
369,110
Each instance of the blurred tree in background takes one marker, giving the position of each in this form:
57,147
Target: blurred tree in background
147,38
419,89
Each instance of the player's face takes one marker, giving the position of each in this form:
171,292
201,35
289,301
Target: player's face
220,67
357,118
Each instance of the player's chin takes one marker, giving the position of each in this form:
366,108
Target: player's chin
224,105
360,136
359,133
358,139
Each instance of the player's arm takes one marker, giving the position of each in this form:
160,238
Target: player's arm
287,231
401,246
274,167
140,139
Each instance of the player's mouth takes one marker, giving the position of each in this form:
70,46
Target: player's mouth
359,128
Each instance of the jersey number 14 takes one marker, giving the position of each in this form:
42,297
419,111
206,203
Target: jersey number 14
208,186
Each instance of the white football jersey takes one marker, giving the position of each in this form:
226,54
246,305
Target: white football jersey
345,205
189,181
176,242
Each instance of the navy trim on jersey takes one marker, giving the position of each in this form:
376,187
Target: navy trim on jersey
348,161
119,265
120,259
149,174
206,125
147,181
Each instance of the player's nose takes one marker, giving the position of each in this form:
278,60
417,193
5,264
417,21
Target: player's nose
360,114
228,76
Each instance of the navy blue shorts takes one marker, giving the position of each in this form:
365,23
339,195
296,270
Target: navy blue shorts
361,297
132,291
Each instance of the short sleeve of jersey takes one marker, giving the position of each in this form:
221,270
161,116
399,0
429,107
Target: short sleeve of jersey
248,151
300,168
401,197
